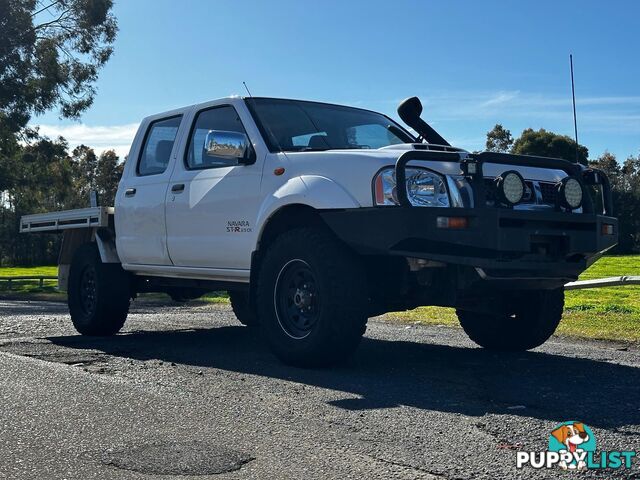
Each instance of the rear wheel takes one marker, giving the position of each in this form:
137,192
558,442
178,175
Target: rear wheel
98,293
183,295
311,298
532,318
242,308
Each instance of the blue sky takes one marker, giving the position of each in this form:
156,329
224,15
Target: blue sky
472,63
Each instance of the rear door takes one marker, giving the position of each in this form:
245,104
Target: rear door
140,205
212,203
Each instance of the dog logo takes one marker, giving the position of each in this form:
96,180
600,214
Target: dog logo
572,446
574,438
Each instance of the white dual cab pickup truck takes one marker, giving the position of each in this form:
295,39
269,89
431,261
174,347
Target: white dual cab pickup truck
315,217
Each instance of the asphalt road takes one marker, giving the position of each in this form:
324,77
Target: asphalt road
189,391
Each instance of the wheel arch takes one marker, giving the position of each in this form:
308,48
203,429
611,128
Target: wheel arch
297,203
283,219
286,218
72,239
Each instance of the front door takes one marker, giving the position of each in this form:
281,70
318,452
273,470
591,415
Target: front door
140,206
212,202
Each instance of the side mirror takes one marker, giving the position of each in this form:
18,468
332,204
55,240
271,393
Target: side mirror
229,145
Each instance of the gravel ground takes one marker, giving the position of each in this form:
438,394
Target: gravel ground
187,391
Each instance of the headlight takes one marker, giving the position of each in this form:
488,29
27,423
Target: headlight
510,187
424,188
570,193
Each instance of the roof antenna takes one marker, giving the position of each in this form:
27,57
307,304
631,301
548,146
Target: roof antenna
247,88
573,94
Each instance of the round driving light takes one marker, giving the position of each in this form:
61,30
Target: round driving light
510,187
571,193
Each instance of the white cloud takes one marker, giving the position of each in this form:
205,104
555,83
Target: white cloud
100,138
500,98
465,115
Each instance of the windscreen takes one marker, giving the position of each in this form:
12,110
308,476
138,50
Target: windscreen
293,125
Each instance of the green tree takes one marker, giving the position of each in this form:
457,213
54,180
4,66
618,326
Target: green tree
50,55
85,163
51,52
548,144
608,164
108,173
8,149
499,139
629,210
625,183
41,180
99,173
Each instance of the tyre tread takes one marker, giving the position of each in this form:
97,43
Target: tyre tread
499,332
347,291
113,296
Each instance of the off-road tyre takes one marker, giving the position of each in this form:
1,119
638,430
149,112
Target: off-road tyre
533,319
312,266
242,308
184,295
98,293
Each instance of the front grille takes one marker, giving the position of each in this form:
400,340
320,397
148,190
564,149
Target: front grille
536,193
490,191
549,193
492,194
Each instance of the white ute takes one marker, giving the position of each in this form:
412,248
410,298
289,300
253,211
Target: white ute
292,207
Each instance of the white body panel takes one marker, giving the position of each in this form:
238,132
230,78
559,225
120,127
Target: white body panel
140,222
209,230
212,223
353,170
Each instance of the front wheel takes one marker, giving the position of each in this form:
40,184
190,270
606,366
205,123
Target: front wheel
311,298
243,308
529,322
98,293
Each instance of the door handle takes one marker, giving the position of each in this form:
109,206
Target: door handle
129,192
178,188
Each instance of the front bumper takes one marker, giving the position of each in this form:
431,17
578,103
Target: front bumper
538,248
499,243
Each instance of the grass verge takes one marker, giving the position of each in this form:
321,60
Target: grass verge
30,289
601,313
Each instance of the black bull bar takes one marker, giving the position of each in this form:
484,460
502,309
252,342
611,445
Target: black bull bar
471,168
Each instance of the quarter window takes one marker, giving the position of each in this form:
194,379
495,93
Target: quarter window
158,145
217,118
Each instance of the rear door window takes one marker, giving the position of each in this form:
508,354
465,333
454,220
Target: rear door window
158,144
